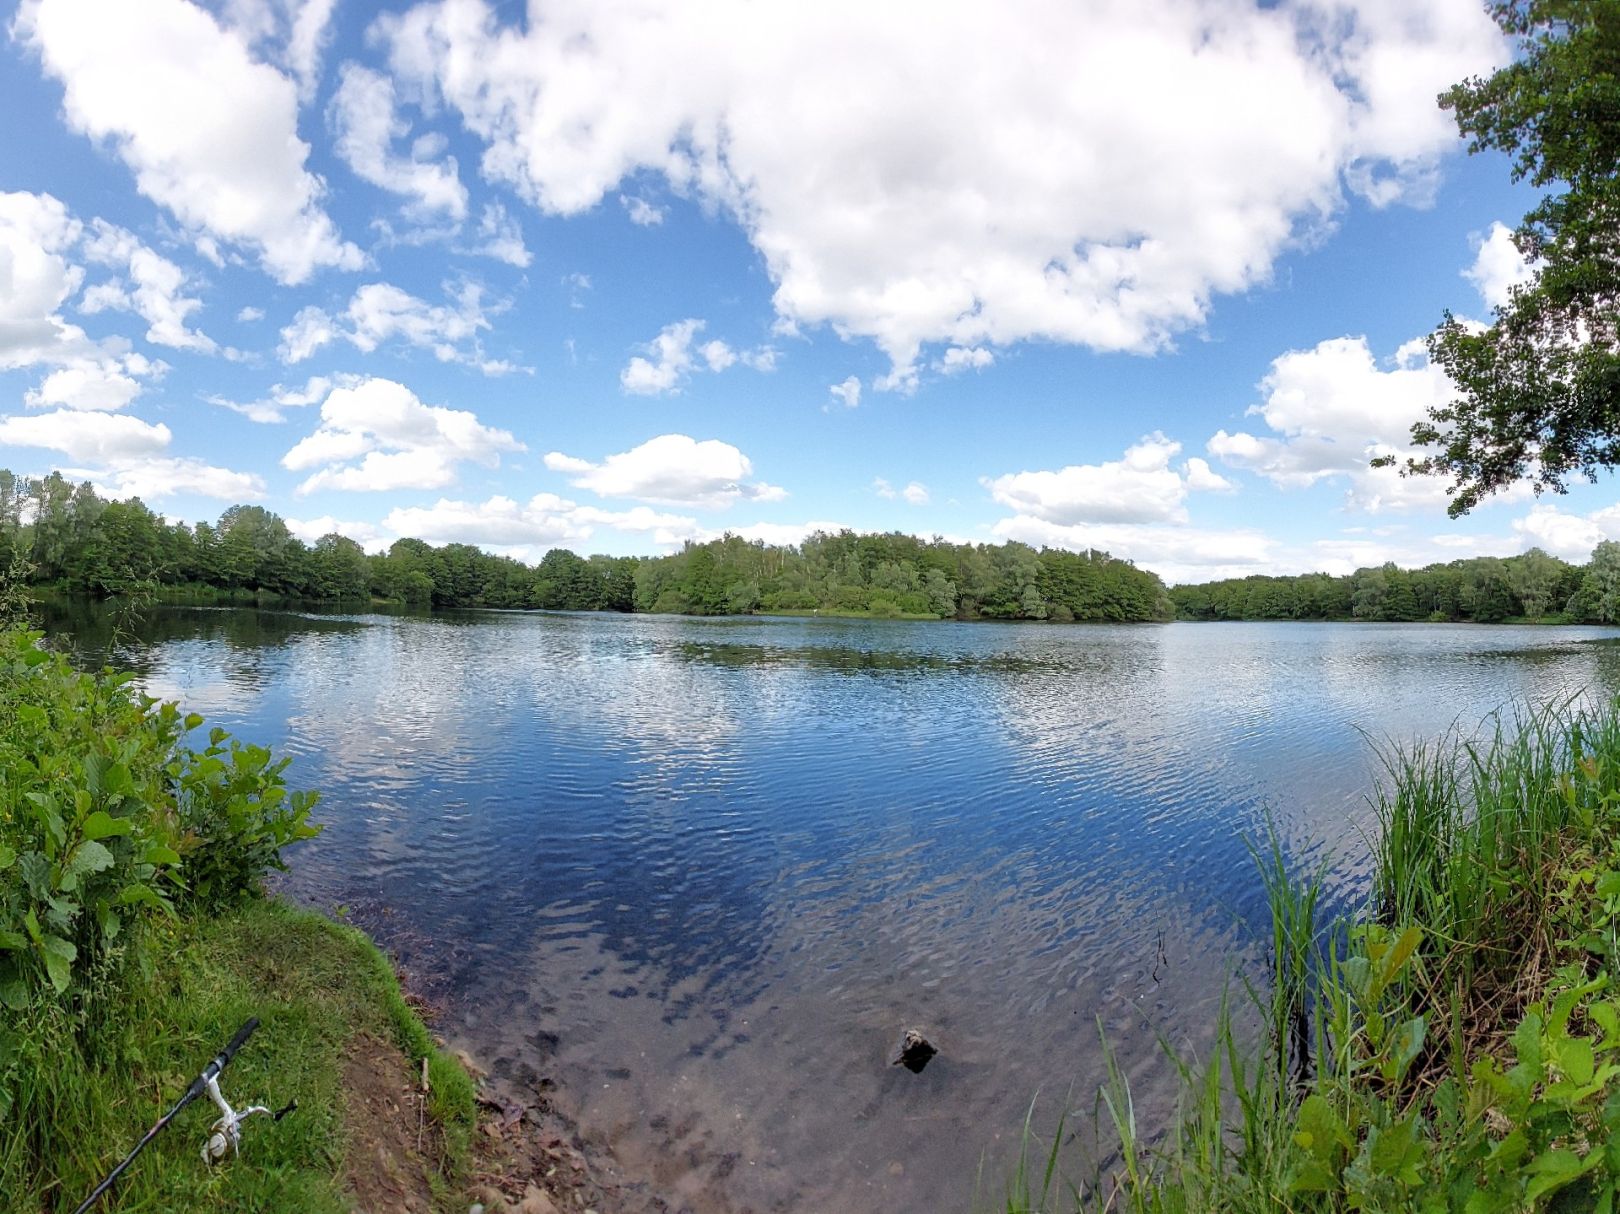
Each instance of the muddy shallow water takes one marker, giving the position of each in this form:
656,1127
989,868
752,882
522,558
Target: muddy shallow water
702,873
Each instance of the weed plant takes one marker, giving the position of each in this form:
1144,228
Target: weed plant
1454,1050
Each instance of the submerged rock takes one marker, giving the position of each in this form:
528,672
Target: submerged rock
914,1051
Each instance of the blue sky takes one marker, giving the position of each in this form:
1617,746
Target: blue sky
1142,276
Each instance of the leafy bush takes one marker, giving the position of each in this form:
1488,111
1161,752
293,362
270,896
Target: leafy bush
106,818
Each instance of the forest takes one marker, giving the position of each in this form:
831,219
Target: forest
67,538
1487,590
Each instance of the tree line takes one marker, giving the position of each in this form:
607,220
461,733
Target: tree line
70,538
1533,585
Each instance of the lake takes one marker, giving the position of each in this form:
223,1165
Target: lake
702,873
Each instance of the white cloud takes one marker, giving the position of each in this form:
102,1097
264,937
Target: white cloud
642,213
669,359
400,443
153,292
528,529
36,233
718,355
210,133
781,534
849,392
309,330
1332,408
291,33
958,359
671,470
1177,554
1571,536
1140,487
368,535
153,479
86,437
915,493
249,314
365,120
903,185
672,349
90,386
1498,267
272,409
380,312
501,237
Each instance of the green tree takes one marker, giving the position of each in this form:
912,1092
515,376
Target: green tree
1534,577
1600,587
1538,392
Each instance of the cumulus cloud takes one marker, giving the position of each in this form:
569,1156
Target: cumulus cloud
86,437
210,133
1141,487
848,392
1498,267
366,123
272,408
1177,554
291,33
500,236
1571,536
906,187
153,290
368,535
1334,407
915,493
669,359
90,386
958,359
528,529
671,470
154,479
36,233
377,436
642,213
380,312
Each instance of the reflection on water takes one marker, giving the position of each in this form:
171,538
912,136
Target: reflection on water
704,872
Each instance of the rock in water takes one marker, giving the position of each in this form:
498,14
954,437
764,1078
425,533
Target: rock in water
914,1052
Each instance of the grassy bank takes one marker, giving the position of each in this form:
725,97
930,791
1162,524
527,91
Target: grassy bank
1454,1049
317,988
135,939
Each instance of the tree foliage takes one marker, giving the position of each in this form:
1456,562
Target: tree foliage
1538,391
1481,590
74,540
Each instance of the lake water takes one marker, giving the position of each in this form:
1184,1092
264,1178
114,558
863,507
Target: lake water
704,872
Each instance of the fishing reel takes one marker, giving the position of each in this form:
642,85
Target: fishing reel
225,1135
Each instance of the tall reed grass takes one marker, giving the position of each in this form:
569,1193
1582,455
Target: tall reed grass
1454,1047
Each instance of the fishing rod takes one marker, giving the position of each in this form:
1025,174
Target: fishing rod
226,1133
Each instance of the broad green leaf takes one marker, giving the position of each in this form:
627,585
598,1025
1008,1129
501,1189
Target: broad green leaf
1573,1055
88,857
58,955
1404,1047
102,825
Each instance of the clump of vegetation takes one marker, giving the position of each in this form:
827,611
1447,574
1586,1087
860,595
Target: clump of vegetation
134,940
1456,1049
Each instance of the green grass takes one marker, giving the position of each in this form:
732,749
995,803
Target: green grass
313,984
1453,1050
